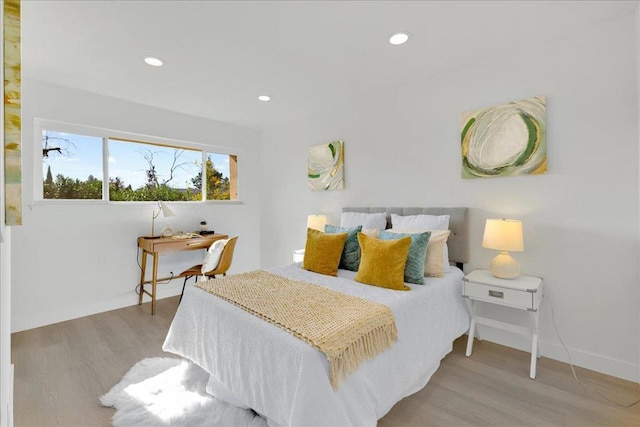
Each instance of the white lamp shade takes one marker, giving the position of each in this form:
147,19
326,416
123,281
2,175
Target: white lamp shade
166,212
503,235
317,222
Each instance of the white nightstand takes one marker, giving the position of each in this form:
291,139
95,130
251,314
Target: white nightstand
298,255
523,292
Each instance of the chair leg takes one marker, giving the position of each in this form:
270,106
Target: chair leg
183,286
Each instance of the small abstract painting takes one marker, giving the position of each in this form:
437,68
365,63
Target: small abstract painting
505,140
325,166
12,138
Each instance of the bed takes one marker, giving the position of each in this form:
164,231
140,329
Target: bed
254,364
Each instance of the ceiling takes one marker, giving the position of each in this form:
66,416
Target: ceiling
308,56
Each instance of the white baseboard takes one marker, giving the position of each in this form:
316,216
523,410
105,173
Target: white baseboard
73,312
10,403
6,410
584,359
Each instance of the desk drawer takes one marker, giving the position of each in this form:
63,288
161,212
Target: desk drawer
498,295
182,245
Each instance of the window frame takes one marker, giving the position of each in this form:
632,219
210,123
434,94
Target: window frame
41,125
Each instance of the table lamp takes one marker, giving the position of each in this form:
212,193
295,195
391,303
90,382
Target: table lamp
503,235
317,222
166,212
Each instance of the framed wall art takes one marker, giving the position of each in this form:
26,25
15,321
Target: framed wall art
325,166
505,140
12,114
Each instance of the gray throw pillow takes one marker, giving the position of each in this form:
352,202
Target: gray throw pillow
350,259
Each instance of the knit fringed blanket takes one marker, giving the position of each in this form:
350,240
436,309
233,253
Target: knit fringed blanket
347,329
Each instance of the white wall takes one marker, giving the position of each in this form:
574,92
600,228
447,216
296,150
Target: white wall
74,259
6,368
580,219
638,103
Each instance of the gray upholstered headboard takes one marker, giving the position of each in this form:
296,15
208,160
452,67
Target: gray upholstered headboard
458,241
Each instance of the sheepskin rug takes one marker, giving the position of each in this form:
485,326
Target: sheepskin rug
162,391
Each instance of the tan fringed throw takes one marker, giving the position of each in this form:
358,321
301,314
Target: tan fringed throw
348,329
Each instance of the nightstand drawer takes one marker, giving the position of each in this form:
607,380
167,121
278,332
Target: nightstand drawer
498,295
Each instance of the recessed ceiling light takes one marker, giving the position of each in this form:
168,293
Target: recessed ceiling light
154,62
264,98
399,38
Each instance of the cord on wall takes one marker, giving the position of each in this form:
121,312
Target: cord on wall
575,376
137,288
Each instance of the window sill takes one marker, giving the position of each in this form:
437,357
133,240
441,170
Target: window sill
85,202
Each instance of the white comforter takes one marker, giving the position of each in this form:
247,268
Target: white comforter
257,365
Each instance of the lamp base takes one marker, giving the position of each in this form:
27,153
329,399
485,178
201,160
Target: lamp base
503,266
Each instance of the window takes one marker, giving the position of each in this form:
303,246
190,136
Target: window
221,172
74,164
140,171
71,166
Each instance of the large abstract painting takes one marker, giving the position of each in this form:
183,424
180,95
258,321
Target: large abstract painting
505,140
12,139
325,166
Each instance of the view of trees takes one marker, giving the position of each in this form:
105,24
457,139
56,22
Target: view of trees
217,185
156,187
69,188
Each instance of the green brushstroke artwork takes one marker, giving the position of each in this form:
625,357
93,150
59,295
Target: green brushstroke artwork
325,166
12,127
505,140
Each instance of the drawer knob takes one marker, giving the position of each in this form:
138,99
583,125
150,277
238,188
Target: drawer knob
496,294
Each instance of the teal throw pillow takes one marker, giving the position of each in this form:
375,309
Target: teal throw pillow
414,268
350,259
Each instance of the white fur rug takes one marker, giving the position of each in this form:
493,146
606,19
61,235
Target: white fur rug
171,392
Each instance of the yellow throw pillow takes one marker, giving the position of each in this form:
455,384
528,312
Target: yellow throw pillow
433,264
382,263
322,252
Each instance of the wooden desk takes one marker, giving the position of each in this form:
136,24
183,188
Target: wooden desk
161,245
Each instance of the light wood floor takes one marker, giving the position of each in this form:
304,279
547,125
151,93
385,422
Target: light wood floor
62,369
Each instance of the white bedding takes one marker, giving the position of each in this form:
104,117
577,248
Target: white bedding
257,365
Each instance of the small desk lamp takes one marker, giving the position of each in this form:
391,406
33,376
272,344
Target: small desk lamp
317,222
166,212
503,235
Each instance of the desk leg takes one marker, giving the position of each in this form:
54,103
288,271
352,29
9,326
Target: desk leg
142,276
534,345
154,283
472,326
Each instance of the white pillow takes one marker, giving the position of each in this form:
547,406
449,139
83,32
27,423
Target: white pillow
434,235
428,222
212,258
435,264
366,220
445,258
371,232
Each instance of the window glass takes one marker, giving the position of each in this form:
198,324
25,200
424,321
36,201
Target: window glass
140,171
74,167
221,172
71,166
